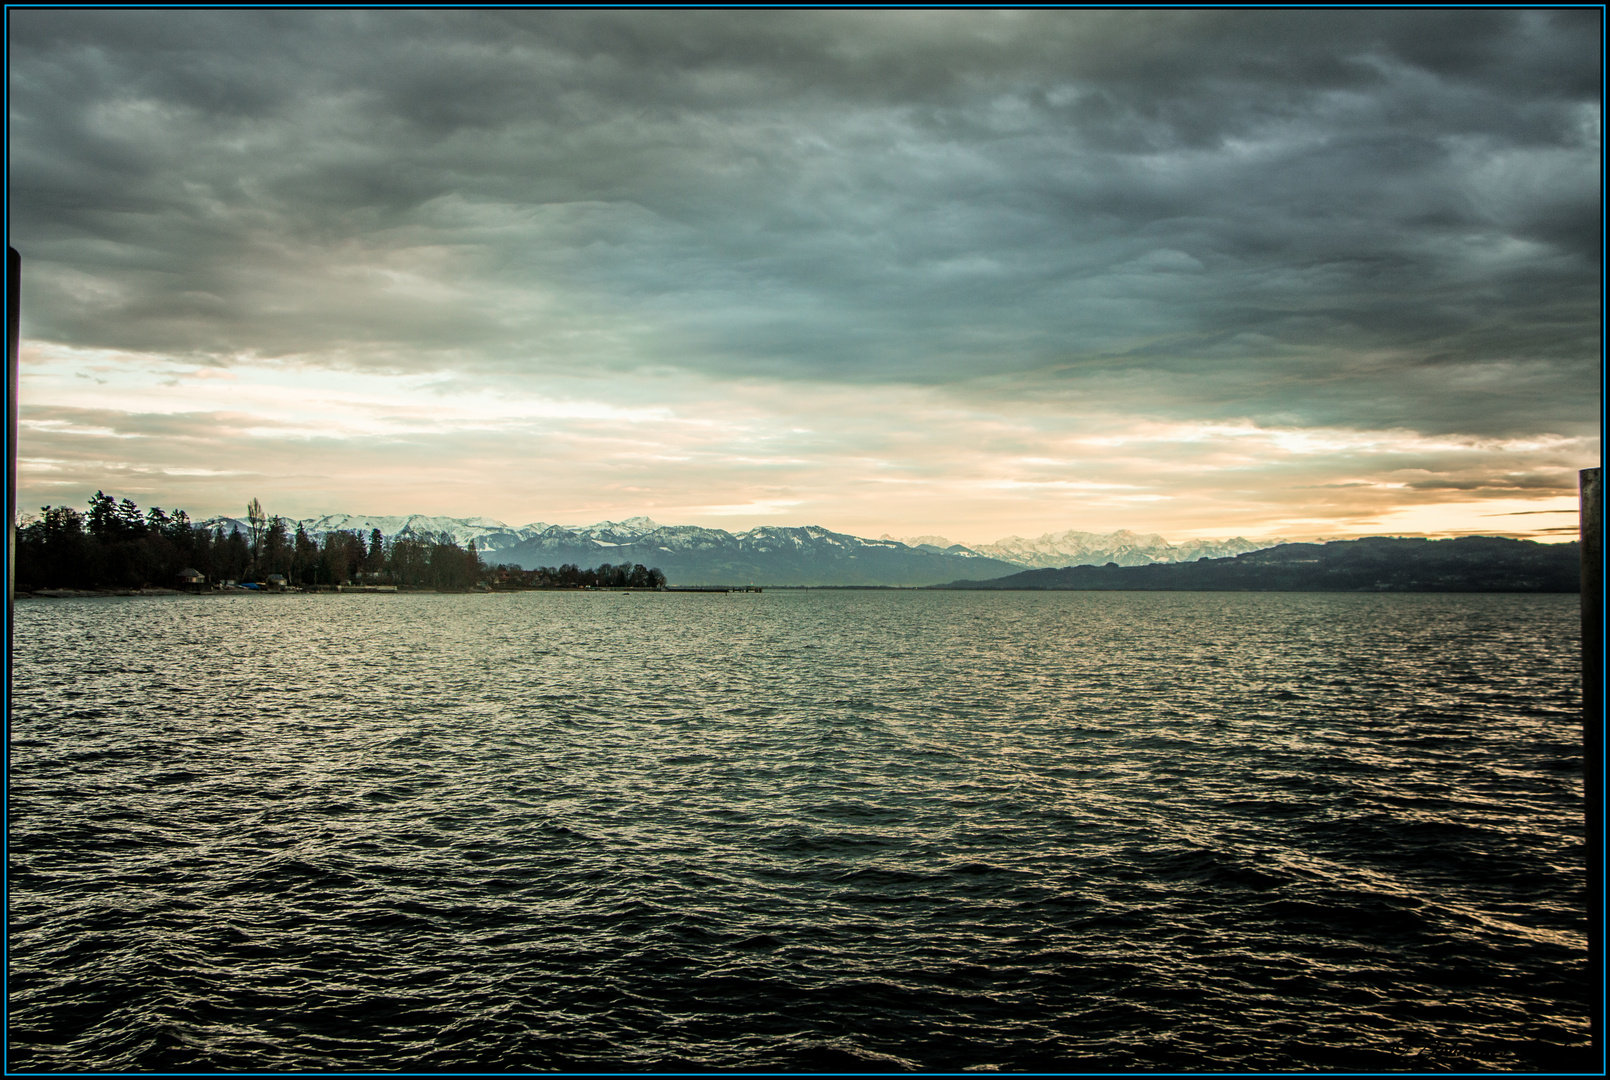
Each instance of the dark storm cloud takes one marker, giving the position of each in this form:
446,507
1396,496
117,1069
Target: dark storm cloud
1368,217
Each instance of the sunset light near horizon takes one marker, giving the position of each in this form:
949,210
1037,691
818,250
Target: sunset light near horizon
1267,274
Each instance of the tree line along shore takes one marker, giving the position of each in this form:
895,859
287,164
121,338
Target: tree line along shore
114,547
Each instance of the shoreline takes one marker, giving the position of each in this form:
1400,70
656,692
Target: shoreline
394,590
100,594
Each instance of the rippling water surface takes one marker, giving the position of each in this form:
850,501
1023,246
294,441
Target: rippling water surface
797,831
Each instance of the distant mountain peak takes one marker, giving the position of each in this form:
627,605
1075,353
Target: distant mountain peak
1124,547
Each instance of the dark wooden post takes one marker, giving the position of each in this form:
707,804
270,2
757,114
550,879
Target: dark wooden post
1592,533
13,315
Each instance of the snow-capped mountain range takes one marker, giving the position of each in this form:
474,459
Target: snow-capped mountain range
1074,548
691,554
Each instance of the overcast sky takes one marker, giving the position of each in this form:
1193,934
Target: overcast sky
1204,273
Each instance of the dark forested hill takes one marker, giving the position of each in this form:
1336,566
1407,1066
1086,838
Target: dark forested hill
1375,564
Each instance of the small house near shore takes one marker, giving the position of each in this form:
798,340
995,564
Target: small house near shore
191,580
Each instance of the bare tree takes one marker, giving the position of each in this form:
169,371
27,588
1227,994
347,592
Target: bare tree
256,525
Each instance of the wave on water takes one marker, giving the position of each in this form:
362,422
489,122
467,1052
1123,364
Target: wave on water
831,832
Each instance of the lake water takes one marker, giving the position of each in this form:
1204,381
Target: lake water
828,831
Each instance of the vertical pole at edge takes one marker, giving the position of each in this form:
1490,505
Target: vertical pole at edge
1593,734
13,332
13,316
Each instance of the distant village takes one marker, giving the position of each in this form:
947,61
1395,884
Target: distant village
114,546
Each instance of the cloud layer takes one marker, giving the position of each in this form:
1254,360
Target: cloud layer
1074,222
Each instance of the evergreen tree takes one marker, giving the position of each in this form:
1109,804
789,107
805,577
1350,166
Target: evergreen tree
304,557
102,518
53,551
276,558
236,557
129,521
375,561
